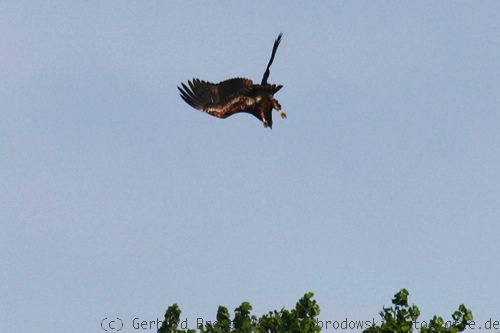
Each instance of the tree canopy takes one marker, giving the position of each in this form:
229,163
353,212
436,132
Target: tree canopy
401,317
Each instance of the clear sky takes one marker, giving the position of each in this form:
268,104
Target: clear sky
117,199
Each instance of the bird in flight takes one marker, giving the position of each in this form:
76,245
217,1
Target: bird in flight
236,95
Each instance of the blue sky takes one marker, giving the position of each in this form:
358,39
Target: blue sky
117,199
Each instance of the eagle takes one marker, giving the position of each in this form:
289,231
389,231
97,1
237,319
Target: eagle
236,95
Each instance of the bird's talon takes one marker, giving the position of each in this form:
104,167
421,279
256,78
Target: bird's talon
283,115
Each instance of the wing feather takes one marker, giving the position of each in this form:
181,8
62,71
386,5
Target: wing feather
275,48
202,94
238,103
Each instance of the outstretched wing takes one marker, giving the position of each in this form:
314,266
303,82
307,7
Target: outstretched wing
275,47
220,100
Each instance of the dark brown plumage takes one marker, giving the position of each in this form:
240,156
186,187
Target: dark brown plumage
235,95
